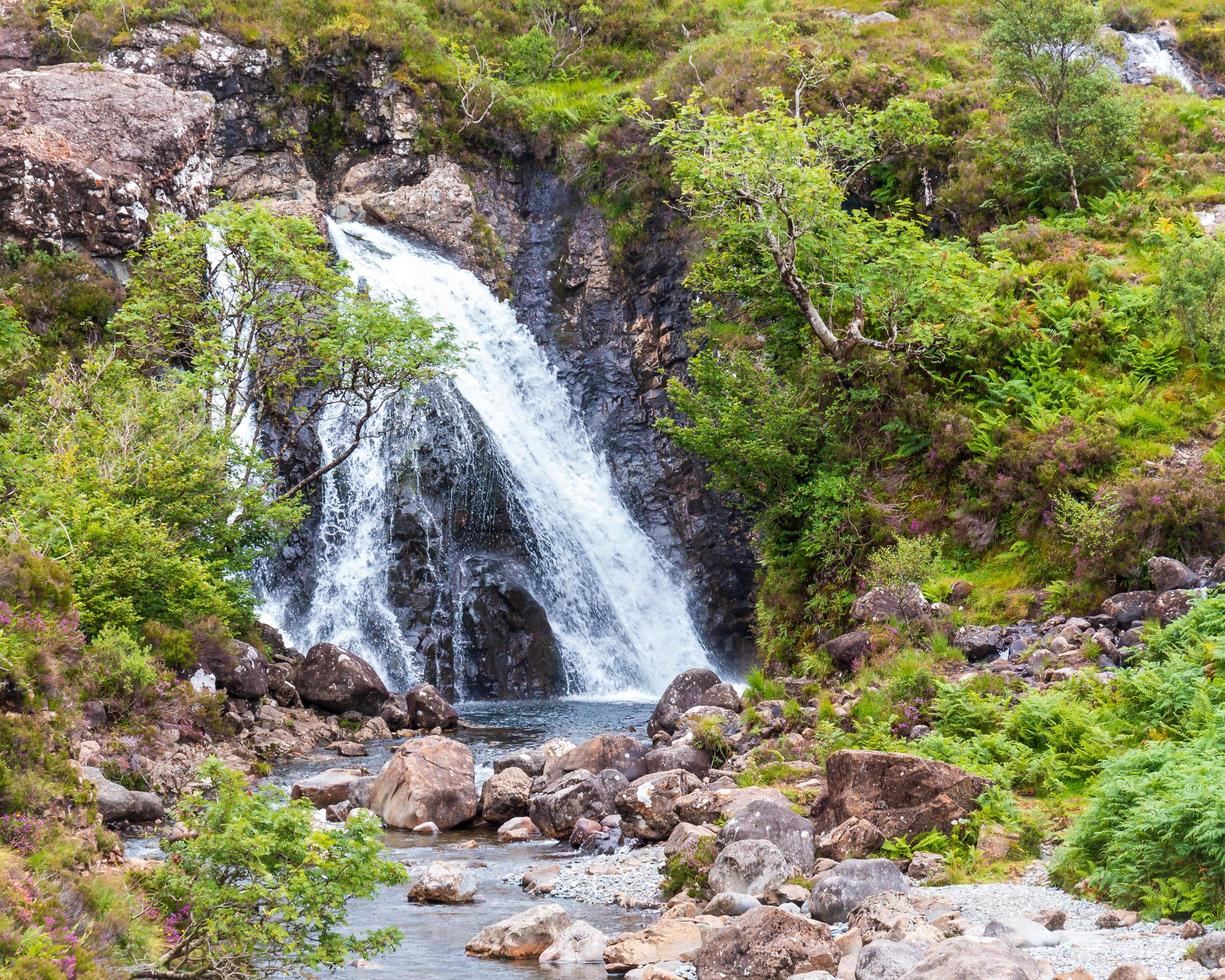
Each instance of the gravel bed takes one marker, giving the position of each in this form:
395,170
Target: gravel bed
627,878
1099,951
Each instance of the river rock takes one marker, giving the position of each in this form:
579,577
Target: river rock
517,830
683,693
427,709
883,604
892,915
780,825
1173,605
853,838
1021,932
839,890
338,681
1129,607
766,944
684,756
328,787
648,805
962,958
721,696
978,642
845,650
666,939
1210,951
1168,574
624,753
89,152
579,942
752,867
534,761
687,838
901,795
445,883
505,795
576,794
522,936
117,804
728,721
886,959
428,780
731,903
710,805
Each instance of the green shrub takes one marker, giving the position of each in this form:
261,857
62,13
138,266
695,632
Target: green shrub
118,668
906,560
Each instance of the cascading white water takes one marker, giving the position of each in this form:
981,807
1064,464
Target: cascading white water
1146,59
619,616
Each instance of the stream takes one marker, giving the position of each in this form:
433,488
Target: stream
435,935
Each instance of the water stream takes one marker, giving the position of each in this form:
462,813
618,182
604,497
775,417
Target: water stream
619,613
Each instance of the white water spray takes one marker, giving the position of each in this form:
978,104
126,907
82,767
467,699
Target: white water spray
617,611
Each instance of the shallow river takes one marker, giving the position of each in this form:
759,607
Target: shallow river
434,936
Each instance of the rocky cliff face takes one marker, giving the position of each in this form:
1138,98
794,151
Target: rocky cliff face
459,578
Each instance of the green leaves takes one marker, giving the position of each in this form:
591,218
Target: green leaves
260,890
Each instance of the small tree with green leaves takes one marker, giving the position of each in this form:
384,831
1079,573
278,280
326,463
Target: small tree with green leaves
259,890
1072,125
251,308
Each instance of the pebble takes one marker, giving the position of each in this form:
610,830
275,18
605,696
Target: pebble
627,878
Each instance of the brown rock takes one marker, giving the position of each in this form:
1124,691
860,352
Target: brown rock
648,805
505,795
327,787
767,944
338,681
623,753
853,838
522,936
667,939
683,693
428,780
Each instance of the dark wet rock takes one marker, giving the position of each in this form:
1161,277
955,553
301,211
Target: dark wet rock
767,820
1130,607
428,780
839,890
902,795
1168,574
117,804
722,696
427,709
684,692
1173,605
89,152
978,642
574,795
240,670
766,944
336,680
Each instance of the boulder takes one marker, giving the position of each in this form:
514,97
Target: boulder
683,693
623,753
428,780
1210,951
839,890
394,711
780,825
666,939
1168,574
751,867
688,839
902,795
1021,932
721,696
534,761
883,604
853,838
576,794
728,721
427,709
1132,971
505,795
766,944
1173,605
89,152
712,805
117,804
579,942
927,866
962,958
648,805
517,830
1130,607
684,756
848,648
338,681
326,788
886,959
731,903
979,642
892,915
522,936
237,667
444,883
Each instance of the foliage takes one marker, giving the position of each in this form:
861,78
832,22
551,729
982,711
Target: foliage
1193,291
1072,126
260,890
907,560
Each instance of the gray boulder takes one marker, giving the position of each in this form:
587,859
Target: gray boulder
1210,951
338,681
844,650
1130,607
117,804
750,867
1021,932
979,642
684,756
883,604
683,693
722,696
766,944
731,903
238,668
886,959
780,825
581,793
970,959
444,883
836,892
534,761
1169,573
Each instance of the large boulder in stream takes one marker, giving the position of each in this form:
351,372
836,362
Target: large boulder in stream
428,709
522,936
683,693
336,680
648,804
505,795
428,780
621,752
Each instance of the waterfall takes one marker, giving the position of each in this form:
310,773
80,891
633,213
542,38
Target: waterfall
617,611
1147,58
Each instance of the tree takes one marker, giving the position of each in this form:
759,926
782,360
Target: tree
258,890
257,318
772,190
1071,123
